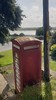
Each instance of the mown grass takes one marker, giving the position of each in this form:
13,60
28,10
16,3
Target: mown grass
53,65
6,58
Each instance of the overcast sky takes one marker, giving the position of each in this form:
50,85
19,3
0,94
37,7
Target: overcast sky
33,9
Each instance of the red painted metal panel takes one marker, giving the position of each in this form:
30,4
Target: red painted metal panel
26,61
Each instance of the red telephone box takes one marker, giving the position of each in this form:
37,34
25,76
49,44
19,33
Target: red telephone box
26,61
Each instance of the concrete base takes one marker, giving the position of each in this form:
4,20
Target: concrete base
4,87
5,90
3,84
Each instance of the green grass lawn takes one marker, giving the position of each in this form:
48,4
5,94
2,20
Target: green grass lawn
53,65
6,58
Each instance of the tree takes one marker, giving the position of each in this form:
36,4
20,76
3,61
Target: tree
10,18
39,31
53,52
21,34
53,39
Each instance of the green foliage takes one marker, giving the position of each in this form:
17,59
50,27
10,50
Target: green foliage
53,39
46,91
13,36
10,18
4,34
32,93
53,47
53,52
39,31
21,34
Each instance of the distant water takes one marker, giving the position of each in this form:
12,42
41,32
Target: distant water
32,32
9,45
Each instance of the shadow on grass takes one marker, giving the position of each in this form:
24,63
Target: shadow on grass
6,65
1,56
3,71
48,91
1,97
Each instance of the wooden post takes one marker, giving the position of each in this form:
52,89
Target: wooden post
46,38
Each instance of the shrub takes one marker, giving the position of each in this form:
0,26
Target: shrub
53,47
53,39
53,52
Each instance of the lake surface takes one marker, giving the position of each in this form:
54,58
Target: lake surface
9,45
26,32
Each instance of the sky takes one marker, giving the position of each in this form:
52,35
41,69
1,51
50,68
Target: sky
33,9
